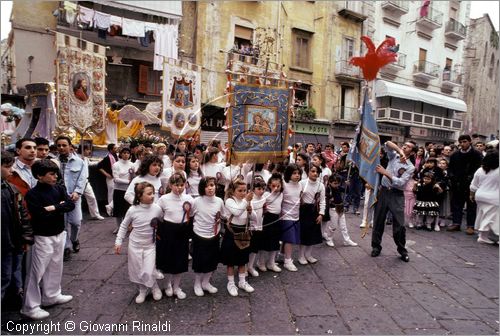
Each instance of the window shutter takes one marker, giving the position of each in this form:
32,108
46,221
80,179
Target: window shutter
143,79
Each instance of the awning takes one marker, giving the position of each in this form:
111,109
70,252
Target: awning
384,88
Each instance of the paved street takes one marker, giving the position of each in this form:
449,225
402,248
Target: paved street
450,286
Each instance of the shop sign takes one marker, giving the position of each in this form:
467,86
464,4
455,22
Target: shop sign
316,129
417,131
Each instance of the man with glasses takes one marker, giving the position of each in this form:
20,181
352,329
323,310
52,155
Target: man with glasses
74,176
463,164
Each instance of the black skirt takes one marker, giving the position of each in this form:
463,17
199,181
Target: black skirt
206,253
271,232
172,247
310,232
120,205
232,255
256,241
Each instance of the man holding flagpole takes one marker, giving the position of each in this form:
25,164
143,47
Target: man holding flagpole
391,196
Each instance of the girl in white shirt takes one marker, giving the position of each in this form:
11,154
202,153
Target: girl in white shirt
211,168
238,207
178,166
290,224
141,247
319,161
312,210
194,176
173,234
207,213
149,171
302,161
271,227
123,173
258,201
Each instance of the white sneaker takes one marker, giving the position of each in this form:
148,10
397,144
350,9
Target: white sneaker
436,228
302,261
60,299
157,295
198,291
209,288
485,241
109,210
273,267
311,260
363,225
289,266
350,243
189,257
246,287
159,275
180,294
411,225
261,268
36,314
232,289
141,297
253,272
99,217
330,243
169,291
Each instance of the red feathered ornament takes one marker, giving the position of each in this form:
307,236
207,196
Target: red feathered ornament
375,59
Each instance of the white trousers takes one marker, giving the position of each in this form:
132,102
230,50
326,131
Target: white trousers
91,201
336,220
367,211
111,187
44,271
141,263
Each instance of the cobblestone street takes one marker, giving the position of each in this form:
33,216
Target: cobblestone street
450,286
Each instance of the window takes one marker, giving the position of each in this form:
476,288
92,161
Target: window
302,94
348,48
243,37
149,81
492,66
302,48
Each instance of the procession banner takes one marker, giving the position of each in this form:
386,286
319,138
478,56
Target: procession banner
258,122
81,70
181,114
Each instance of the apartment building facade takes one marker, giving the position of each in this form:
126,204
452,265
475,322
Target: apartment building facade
421,95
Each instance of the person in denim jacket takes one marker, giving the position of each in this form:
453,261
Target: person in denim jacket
74,177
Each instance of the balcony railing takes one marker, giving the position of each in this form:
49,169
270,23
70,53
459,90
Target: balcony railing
399,64
426,69
352,10
433,19
345,70
345,113
400,7
455,29
413,119
452,78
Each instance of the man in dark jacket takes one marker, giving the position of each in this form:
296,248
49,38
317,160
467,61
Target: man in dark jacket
17,233
463,164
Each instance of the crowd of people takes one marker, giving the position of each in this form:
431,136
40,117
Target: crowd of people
179,203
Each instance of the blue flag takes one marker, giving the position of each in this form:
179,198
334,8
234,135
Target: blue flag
365,152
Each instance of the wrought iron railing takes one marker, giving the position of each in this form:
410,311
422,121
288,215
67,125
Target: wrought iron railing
427,68
456,27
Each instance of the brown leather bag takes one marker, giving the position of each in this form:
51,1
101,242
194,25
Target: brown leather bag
241,239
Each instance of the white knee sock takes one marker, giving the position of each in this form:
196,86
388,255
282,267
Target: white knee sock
197,279
272,257
177,281
251,260
206,279
230,278
308,251
302,250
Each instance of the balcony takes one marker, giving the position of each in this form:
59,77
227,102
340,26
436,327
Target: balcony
410,118
347,72
455,30
397,8
400,64
425,70
451,79
346,114
352,10
433,20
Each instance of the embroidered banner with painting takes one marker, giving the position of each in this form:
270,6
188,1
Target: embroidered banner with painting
181,99
258,123
81,70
